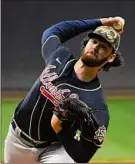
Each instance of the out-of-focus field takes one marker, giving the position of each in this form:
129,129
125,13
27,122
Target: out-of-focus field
120,140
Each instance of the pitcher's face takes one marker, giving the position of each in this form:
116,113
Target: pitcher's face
96,52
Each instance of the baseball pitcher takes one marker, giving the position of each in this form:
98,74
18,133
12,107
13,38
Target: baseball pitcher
64,116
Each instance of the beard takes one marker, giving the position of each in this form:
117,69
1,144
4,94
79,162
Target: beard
90,62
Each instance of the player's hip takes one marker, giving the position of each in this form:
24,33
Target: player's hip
21,135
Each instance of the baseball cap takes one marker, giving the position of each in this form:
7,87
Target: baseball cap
109,34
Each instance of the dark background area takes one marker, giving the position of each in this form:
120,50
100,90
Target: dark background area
23,23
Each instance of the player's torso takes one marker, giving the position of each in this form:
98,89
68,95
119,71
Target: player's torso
56,82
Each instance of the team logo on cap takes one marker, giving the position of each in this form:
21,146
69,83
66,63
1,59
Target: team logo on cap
108,32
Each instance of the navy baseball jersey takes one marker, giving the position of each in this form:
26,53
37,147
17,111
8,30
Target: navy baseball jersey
58,81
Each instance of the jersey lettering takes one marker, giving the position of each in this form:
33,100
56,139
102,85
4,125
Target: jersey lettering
48,89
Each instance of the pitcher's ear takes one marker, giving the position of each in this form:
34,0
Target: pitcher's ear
118,61
111,58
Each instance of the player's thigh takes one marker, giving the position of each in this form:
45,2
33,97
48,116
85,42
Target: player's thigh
17,152
55,153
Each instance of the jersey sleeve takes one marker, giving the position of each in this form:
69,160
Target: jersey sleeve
59,33
80,151
91,136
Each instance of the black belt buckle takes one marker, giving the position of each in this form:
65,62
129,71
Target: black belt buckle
43,145
37,145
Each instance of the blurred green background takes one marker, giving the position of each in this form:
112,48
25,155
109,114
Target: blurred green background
120,140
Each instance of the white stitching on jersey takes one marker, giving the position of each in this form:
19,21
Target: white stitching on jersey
72,85
40,119
79,88
47,40
90,141
36,141
65,67
32,115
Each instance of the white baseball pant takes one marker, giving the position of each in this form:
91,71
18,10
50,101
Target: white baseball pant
17,150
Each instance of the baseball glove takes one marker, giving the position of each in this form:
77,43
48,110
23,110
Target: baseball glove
69,108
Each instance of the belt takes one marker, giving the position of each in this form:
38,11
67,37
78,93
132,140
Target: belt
23,136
